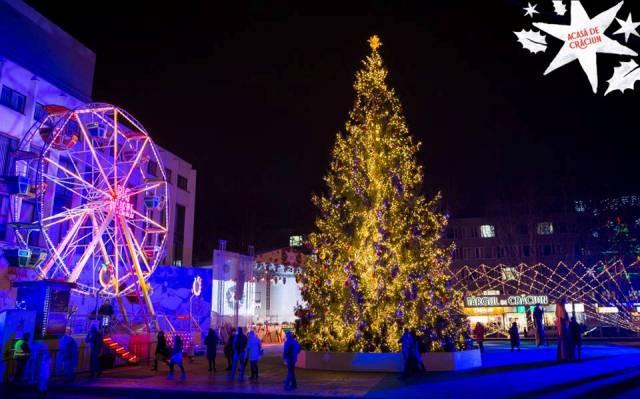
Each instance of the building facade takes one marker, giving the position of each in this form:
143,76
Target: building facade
40,64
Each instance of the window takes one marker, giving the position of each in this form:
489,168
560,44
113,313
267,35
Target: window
544,228
178,234
469,253
7,145
580,206
39,113
509,273
487,231
547,250
182,182
152,168
562,227
168,172
523,229
487,253
474,232
12,99
526,250
295,241
4,216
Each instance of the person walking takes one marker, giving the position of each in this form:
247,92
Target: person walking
562,325
416,352
239,354
538,321
176,358
211,342
94,339
69,353
21,353
228,350
254,352
478,333
514,336
162,350
576,339
290,355
406,343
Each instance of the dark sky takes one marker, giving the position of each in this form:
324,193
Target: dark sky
253,93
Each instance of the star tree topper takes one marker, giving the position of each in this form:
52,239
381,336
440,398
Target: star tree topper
583,39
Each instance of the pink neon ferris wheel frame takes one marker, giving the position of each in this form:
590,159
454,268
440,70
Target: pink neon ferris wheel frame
109,245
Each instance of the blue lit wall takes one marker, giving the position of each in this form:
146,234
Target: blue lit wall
36,44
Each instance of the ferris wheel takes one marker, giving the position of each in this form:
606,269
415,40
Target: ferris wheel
100,208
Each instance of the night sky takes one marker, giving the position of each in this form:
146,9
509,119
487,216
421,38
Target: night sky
253,95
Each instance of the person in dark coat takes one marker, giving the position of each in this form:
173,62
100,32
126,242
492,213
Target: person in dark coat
575,335
478,332
162,351
69,353
562,325
239,355
94,339
228,350
211,342
106,315
176,358
514,336
407,343
290,353
538,321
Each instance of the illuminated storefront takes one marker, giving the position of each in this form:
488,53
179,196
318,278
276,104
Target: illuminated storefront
498,312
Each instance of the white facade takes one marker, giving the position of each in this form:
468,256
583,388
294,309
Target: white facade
181,206
278,305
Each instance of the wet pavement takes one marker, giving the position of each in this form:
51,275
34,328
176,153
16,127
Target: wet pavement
607,370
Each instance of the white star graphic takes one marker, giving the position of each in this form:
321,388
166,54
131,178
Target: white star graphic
530,10
583,39
627,27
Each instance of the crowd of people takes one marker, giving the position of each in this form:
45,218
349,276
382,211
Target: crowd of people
242,349
569,332
239,350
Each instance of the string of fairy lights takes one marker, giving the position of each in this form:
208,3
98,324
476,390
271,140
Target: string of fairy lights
598,286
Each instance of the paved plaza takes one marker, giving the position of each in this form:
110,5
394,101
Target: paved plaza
607,370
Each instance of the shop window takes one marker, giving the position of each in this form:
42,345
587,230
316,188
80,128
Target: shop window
12,99
544,228
487,231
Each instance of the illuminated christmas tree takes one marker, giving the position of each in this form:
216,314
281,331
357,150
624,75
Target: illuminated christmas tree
379,265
